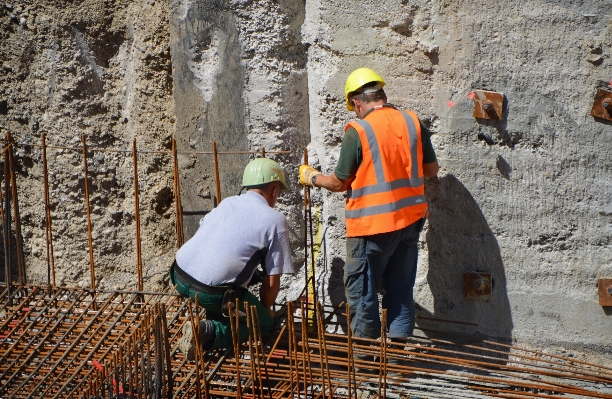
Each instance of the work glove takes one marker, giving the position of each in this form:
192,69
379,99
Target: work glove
306,175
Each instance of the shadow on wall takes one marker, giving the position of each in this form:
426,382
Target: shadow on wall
459,240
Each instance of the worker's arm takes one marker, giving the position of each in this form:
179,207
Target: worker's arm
431,169
269,290
332,183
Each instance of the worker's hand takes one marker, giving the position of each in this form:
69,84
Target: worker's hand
306,175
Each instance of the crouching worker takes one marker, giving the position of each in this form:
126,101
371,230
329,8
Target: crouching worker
219,261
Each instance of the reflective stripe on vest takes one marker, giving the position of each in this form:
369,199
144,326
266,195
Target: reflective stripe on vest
384,208
381,185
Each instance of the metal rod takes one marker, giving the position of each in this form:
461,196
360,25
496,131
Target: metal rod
16,217
177,198
306,233
234,325
7,223
216,168
92,271
351,362
249,326
137,218
149,151
48,228
257,346
383,340
322,357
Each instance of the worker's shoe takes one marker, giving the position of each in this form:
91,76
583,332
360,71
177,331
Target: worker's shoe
207,336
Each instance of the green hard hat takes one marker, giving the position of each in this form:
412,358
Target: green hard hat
261,171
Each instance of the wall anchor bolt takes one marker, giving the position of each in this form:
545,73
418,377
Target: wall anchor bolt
477,285
602,105
488,105
605,291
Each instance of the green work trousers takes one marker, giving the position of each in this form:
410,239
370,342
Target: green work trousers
213,304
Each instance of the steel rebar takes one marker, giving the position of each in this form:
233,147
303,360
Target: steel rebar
92,271
137,218
48,224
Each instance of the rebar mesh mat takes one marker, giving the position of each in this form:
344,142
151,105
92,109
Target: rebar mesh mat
74,343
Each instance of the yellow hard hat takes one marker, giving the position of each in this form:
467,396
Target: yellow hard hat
357,79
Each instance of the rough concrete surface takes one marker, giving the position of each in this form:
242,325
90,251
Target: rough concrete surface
100,69
526,199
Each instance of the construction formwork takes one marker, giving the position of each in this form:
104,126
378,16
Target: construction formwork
60,342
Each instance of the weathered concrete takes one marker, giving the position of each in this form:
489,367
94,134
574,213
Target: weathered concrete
533,208
531,204
101,69
240,79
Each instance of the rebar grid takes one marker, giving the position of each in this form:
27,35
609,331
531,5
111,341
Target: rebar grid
312,363
55,344
91,343
51,339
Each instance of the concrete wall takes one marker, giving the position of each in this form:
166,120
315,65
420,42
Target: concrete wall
100,69
531,206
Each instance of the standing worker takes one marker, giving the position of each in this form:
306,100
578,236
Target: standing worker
219,261
384,159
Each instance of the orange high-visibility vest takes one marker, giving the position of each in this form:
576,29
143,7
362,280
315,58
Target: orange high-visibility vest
388,192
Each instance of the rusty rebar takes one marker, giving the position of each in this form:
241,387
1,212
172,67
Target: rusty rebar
137,218
92,271
216,171
48,224
180,238
234,314
149,151
17,219
291,319
249,326
7,223
306,232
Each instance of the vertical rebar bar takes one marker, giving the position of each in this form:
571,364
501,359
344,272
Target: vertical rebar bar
142,392
249,326
306,233
197,344
130,361
166,341
293,338
177,198
350,350
7,223
216,167
322,358
383,340
159,357
48,229
306,349
137,218
234,314
89,234
313,276
263,152
321,326
258,347
18,236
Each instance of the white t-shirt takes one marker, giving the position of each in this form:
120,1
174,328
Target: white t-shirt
226,247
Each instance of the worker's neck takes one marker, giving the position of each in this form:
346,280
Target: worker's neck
365,108
267,196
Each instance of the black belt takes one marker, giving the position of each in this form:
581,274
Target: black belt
195,284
